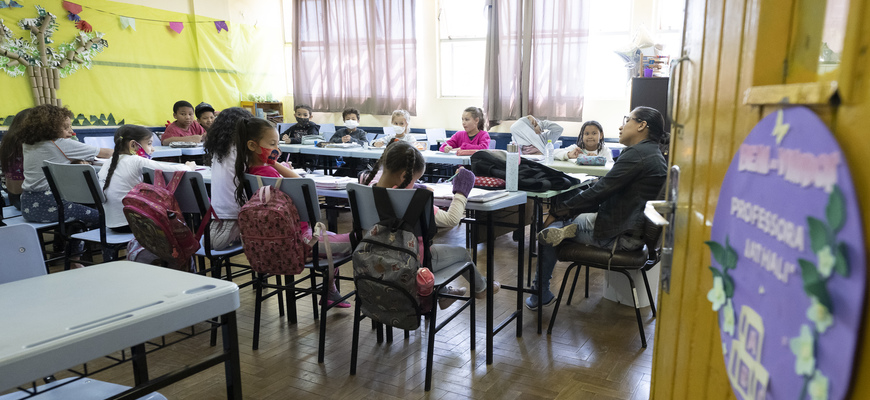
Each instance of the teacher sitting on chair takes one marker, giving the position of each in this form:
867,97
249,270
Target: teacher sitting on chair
610,213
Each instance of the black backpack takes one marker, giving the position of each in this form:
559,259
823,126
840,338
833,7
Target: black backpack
532,176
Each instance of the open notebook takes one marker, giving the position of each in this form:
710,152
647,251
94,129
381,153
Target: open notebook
445,191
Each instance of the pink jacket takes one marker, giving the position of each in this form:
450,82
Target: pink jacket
460,140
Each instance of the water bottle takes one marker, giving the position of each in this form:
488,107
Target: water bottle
512,168
550,154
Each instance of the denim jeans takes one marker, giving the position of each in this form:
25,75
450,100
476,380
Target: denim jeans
585,228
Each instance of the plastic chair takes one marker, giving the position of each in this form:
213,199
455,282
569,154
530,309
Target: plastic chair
365,215
78,183
623,262
155,139
22,253
304,195
192,197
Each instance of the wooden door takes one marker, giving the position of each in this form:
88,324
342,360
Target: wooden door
733,76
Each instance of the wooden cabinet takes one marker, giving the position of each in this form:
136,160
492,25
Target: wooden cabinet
272,110
651,92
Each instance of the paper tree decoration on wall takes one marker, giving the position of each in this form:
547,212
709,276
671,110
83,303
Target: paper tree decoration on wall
45,65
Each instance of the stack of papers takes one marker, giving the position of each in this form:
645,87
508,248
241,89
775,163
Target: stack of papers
343,145
477,195
332,182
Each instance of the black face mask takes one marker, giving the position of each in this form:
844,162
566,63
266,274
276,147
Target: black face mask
301,121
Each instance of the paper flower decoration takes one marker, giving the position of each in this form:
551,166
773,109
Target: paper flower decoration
818,387
72,17
802,347
819,314
728,323
716,295
12,4
84,26
826,261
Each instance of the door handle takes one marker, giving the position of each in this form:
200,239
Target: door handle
671,89
662,213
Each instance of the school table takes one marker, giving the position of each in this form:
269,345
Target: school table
68,318
165,151
570,167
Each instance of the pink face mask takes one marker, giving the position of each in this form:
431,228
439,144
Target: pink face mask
141,151
269,156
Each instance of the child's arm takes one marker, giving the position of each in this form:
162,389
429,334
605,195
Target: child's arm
284,171
191,138
453,142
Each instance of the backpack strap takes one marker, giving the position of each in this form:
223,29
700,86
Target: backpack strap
205,220
159,181
415,209
177,176
383,204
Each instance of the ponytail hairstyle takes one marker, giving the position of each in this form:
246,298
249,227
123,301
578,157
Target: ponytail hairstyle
220,140
123,136
246,129
399,156
600,129
476,112
10,146
655,123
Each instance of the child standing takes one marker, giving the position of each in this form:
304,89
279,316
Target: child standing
185,128
401,121
589,143
402,166
257,146
133,149
303,126
350,133
473,137
204,115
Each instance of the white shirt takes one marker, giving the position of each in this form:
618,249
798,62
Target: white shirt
57,151
128,173
562,154
409,137
223,186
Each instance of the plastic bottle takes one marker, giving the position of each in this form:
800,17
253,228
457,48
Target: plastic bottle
550,155
512,168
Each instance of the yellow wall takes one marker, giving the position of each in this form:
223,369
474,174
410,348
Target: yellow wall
727,44
143,72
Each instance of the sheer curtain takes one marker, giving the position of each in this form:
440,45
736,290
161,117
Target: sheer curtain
355,53
535,59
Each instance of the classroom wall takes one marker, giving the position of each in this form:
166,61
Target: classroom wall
143,72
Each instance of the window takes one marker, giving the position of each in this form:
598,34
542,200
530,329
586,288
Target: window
462,27
609,31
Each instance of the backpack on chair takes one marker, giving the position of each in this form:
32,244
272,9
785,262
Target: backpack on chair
158,223
386,261
271,233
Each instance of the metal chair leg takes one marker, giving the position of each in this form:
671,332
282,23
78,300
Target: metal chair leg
636,308
652,302
559,298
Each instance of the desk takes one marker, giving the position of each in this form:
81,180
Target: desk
165,151
68,318
512,199
572,167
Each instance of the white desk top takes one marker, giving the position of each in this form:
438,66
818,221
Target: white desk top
192,151
165,151
57,321
572,167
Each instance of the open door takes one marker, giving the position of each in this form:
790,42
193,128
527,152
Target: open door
742,60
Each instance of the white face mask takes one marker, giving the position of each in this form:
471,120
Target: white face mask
398,129
351,124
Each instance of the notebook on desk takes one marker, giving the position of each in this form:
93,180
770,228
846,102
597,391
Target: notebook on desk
477,195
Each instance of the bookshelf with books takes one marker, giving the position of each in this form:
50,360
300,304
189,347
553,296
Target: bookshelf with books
271,110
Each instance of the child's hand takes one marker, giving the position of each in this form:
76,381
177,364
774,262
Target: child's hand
286,138
378,144
191,165
287,165
345,138
446,149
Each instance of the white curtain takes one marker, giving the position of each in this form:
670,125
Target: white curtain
535,59
355,53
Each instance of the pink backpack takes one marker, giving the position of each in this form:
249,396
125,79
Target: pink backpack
157,222
271,233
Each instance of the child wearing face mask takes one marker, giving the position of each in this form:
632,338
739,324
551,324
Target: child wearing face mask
401,122
303,126
133,148
258,152
350,133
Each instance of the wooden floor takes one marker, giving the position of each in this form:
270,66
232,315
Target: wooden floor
593,353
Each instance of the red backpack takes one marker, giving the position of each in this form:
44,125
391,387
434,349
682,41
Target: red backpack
271,233
157,222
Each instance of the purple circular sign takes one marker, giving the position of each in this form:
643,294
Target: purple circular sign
788,262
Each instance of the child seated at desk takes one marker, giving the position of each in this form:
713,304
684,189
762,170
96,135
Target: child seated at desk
185,128
349,133
532,134
257,147
401,122
303,126
473,137
402,166
589,143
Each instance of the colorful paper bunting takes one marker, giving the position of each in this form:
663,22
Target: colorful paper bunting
176,26
221,25
127,21
72,7
84,26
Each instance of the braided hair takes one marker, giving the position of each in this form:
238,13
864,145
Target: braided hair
123,136
246,129
399,156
